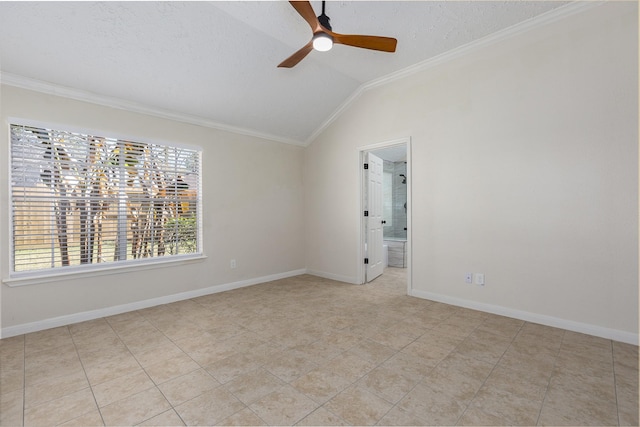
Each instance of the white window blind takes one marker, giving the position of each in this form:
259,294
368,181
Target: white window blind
81,199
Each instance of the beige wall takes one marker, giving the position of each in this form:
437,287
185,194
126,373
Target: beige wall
525,168
252,195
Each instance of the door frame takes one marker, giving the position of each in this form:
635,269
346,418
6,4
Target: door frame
362,185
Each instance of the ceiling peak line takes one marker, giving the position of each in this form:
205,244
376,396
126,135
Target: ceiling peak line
512,31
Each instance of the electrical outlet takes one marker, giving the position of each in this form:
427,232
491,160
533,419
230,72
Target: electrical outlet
468,278
232,264
479,279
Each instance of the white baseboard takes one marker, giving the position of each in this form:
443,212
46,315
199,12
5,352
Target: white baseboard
339,278
585,328
138,305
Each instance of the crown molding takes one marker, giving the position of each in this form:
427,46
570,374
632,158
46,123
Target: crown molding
22,82
539,21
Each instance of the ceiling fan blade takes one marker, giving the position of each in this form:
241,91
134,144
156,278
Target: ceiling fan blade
384,44
297,57
306,11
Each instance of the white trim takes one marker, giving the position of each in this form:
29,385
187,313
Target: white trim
337,277
110,311
22,82
450,55
556,322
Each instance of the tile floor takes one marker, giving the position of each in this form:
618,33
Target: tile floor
311,351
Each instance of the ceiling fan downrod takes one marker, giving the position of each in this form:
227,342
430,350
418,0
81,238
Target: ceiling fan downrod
324,19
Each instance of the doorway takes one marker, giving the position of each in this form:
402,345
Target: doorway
385,201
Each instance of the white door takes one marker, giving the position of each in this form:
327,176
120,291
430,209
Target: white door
374,219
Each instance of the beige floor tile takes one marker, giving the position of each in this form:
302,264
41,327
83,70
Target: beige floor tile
11,357
561,410
627,389
433,407
95,353
358,406
209,408
48,339
11,380
289,365
388,383
111,367
517,410
146,341
583,385
579,363
11,408
458,377
54,388
51,363
135,409
253,385
90,419
245,417
338,345
171,368
628,414
167,418
455,327
90,328
372,351
233,366
318,352
321,384
393,339
484,345
204,351
400,417
105,342
527,385
12,344
430,354
60,410
408,365
322,417
541,364
477,417
350,366
285,406
188,386
625,355
154,355
501,325
121,387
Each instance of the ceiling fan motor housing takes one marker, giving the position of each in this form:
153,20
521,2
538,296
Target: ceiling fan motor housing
324,21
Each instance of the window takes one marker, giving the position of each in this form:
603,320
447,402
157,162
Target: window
80,200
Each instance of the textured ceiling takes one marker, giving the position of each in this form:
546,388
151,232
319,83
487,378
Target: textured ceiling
216,61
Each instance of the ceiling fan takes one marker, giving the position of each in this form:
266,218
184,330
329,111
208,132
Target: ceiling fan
323,38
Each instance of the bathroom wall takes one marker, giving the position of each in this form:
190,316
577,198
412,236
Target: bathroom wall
395,228
399,201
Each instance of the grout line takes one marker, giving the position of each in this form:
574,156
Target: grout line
615,380
85,375
546,389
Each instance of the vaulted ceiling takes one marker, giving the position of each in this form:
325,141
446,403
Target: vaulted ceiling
215,63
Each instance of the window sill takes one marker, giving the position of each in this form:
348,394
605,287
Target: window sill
34,278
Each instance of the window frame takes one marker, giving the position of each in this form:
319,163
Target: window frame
17,278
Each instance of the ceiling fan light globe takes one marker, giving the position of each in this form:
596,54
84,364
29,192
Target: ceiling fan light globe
322,42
